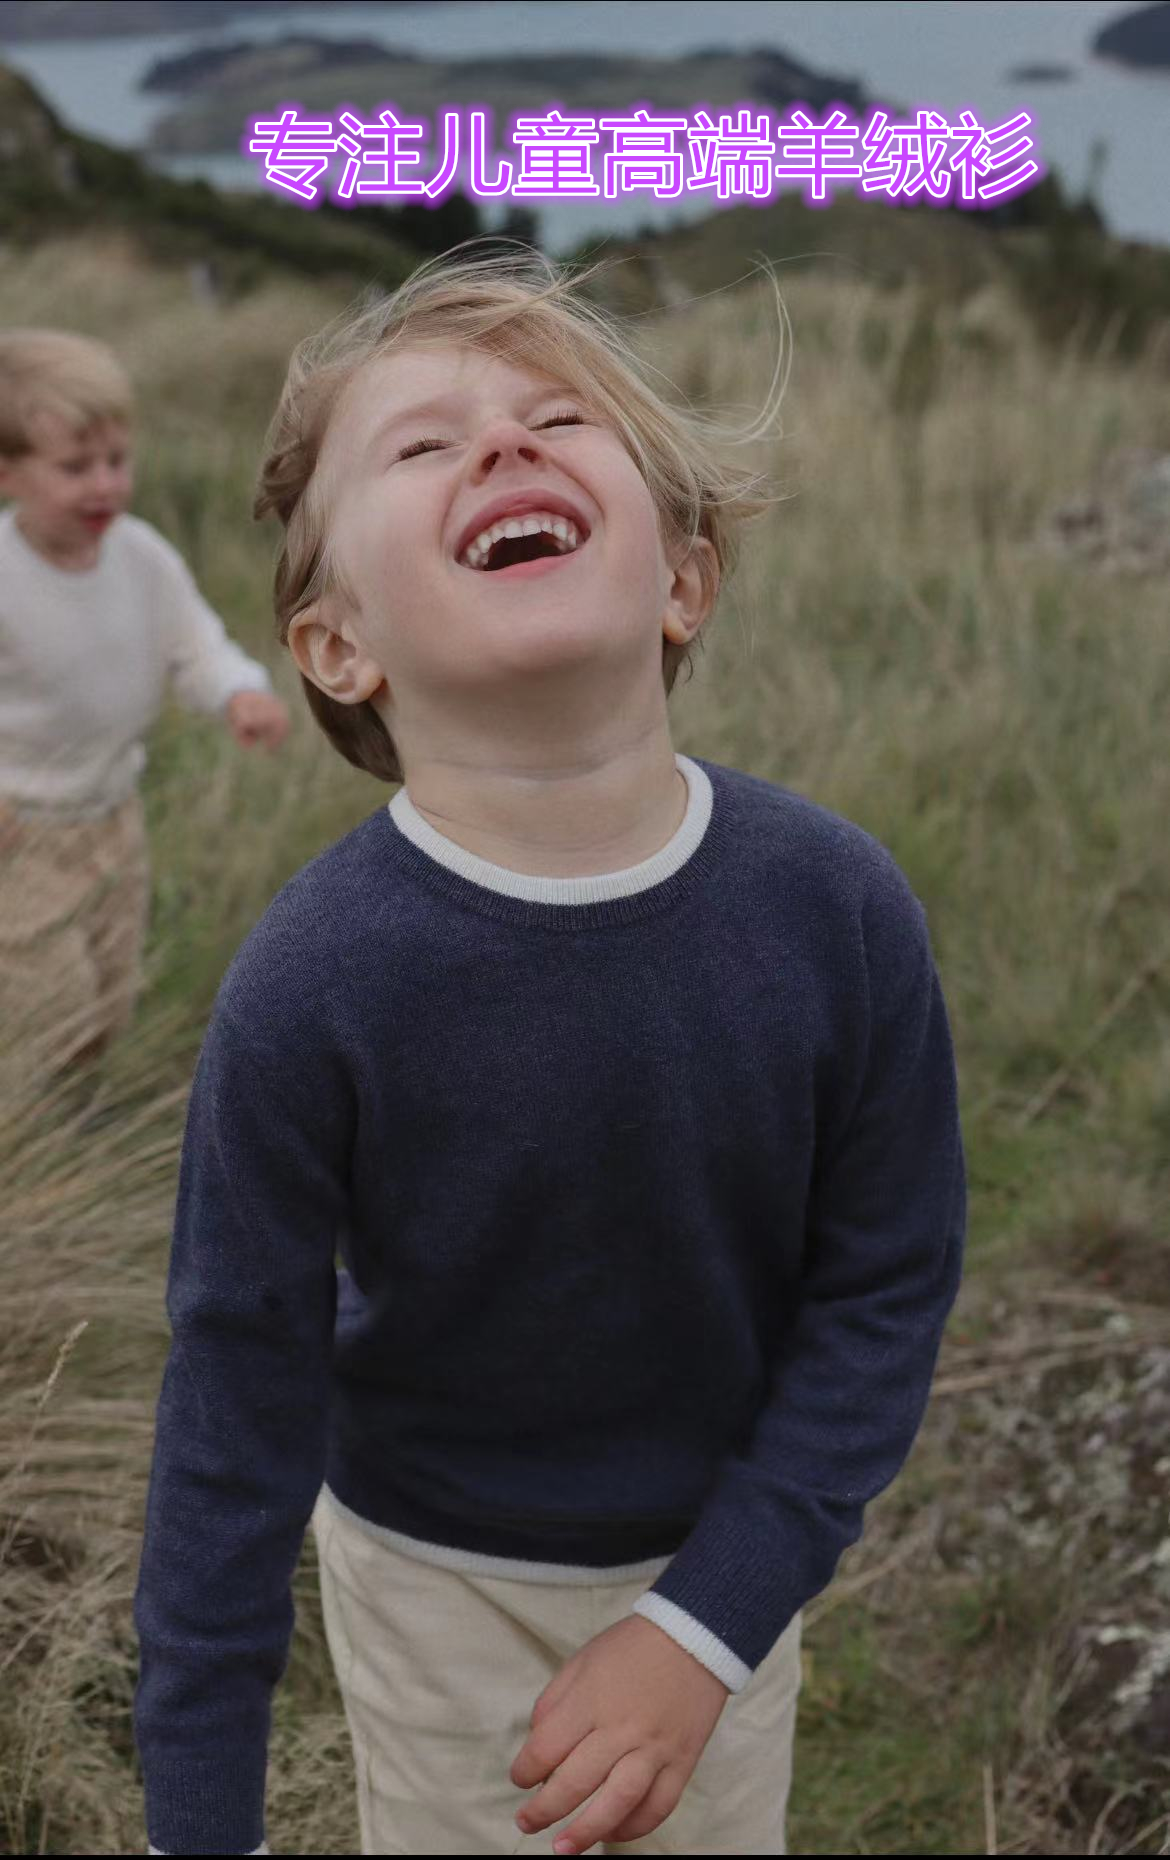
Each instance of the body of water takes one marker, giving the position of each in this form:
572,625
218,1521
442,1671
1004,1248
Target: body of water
951,56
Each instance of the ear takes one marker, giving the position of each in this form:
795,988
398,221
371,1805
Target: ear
321,644
694,585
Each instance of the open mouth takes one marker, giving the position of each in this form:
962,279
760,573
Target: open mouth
524,545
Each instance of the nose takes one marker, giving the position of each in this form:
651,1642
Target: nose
502,440
109,479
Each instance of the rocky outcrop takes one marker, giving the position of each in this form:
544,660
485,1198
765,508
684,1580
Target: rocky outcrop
1122,524
31,138
54,182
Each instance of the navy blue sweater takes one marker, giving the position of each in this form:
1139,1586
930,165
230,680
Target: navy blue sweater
555,1224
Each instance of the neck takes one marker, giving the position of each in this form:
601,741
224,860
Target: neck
77,557
565,816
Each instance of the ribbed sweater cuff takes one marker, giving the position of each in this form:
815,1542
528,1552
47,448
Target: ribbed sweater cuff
707,1648
262,1849
243,678
739,1582
205,1805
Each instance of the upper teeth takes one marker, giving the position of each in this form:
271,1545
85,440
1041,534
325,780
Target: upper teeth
561,529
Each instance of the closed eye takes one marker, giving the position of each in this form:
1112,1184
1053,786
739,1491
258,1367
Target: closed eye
420,445
433,445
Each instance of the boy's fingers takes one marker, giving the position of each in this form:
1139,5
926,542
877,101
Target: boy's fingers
585,1769
552,1692
662,1800
631,1780
547,1746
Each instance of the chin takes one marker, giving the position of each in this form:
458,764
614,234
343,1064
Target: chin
559,641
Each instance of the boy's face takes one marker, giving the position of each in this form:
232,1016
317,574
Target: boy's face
71,485
430,619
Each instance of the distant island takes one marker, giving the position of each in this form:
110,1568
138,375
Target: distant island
27,20
1141,38
243,63
223,87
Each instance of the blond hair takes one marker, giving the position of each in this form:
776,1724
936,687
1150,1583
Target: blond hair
53,371
524,309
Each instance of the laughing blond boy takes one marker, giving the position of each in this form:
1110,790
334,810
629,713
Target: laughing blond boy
622,1083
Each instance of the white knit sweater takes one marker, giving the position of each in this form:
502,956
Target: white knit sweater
85,660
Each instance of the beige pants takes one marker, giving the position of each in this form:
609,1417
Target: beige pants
439,1673
74,895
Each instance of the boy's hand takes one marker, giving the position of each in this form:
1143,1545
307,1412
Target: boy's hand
629,1716
257,717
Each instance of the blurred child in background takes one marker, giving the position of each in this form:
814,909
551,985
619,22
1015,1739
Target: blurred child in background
97,615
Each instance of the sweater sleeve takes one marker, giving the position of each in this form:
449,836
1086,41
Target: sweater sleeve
240,1440
206,668
885,1226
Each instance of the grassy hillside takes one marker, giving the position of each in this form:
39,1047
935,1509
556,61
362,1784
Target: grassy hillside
54,182
1046,251
984,1674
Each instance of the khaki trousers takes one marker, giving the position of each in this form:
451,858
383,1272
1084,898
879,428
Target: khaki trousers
439,1672
74,896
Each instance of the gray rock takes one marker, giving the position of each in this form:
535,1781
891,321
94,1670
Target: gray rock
1123,524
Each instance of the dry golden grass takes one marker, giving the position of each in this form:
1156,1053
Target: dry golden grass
896,647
